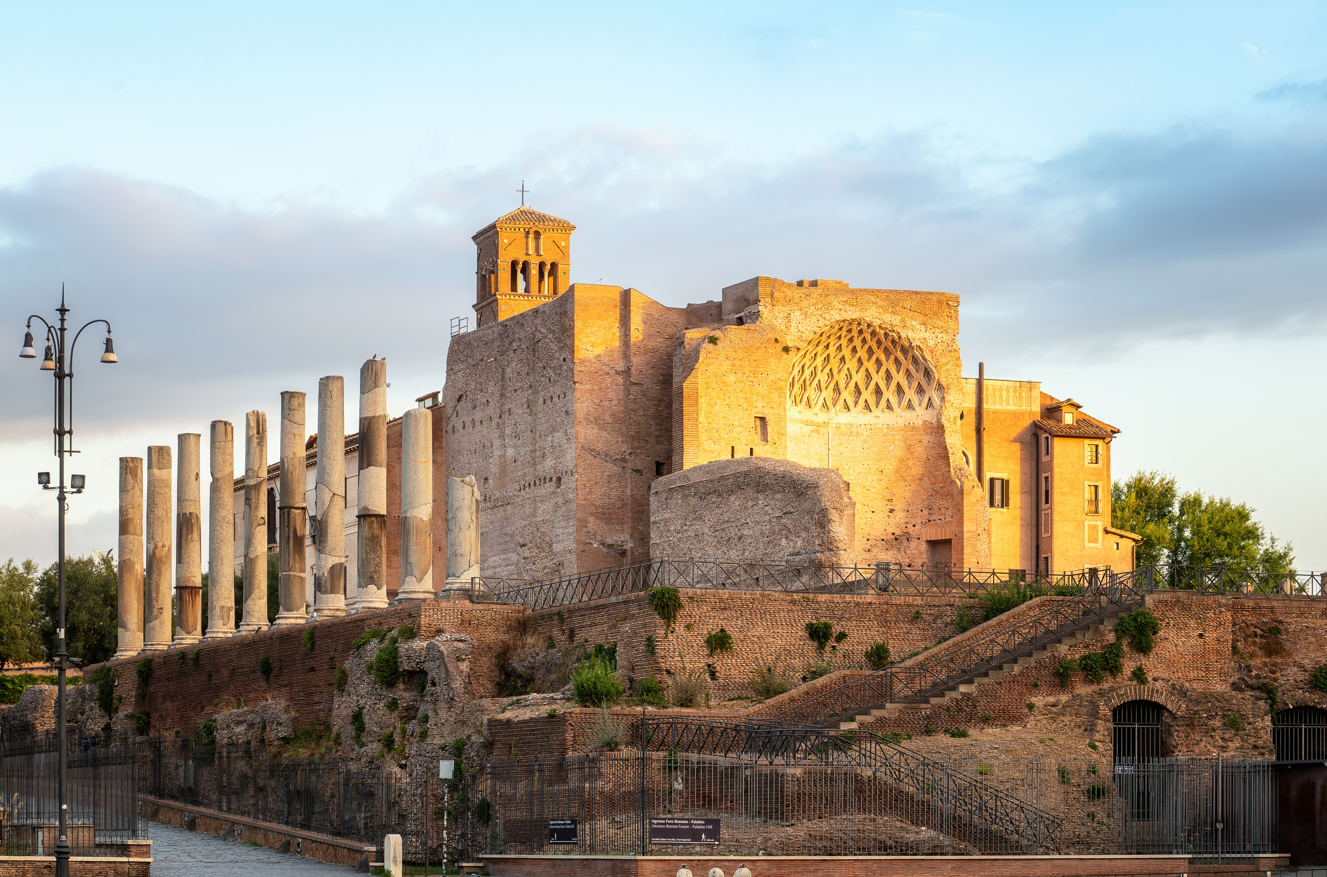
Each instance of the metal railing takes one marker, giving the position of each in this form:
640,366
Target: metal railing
1008,637
101,794
1226,582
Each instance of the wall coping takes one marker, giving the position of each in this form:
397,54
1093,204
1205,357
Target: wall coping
357,846
698,856
74,859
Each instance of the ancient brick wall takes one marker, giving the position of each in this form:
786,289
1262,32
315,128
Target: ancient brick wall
790,514
490,625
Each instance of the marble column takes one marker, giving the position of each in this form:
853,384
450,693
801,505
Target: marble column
292,511
156,588
221,533
188,542
255,523
462,536
416,505
372,515
129,640
329,577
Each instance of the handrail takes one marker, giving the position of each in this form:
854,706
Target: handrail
1048,622
788,743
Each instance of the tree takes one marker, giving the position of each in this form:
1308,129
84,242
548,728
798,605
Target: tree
1145,504
91,607
1193,529
19,642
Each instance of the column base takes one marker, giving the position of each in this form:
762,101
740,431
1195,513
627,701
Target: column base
155,647
249,627
454,589
328,606
376,600
127,652
186,641
287,619
415,592
213,634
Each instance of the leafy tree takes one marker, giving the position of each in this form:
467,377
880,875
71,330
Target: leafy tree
1193,529
19,642
91,610
1145,504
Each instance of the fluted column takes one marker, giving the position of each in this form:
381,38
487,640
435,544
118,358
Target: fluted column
292,511
416,506
129,640
156,588
188,542
372,513
221,533
329,577
255,522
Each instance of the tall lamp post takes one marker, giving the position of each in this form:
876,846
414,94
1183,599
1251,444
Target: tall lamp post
59,359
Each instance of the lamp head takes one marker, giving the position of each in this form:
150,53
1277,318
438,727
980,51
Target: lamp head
44,479
27,352
48,361
109,355
78,482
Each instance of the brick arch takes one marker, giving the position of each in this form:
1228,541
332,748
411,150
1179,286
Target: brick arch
1154,693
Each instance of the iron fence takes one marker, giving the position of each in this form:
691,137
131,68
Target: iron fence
1223,581
824,808
101,794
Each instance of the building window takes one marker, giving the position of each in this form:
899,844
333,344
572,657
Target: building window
1045,446
660,468
1045,564
1093,453
998,493
1093,498
1068,416
1045,490
1300,734
762,428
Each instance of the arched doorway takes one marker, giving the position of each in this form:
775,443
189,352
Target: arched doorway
1300,734
1138,732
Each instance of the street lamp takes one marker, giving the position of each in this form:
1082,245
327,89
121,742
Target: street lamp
58,360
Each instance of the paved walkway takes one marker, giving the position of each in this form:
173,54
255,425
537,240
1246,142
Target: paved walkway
180,853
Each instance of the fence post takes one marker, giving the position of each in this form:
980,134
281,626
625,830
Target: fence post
644,824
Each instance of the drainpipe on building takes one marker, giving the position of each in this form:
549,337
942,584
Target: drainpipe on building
981,428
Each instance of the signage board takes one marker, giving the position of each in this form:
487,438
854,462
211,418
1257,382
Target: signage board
564,831
680,830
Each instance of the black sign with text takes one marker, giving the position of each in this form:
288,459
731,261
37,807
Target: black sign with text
680,830
564,831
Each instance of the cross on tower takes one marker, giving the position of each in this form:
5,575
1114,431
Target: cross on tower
524,191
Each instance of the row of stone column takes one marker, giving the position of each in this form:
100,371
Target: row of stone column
145,553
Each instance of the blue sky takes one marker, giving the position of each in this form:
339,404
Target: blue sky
1131,199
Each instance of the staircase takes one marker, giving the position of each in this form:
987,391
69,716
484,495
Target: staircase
992,649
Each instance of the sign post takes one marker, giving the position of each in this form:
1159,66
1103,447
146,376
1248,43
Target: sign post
445,770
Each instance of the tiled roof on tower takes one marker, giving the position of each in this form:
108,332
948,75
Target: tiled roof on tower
523,217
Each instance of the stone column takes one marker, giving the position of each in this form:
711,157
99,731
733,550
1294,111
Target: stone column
292,511
221,533
416,506
462,536
372,549
156,589
129,641
329,577
188,542
255,523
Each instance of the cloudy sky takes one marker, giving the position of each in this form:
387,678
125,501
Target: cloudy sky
1131,198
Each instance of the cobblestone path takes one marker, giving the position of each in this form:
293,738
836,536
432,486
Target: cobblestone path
180,853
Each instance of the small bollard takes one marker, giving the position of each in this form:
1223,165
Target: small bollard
742,871
716,871
392,854
683,872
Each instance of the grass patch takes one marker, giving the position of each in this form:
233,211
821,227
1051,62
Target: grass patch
769,680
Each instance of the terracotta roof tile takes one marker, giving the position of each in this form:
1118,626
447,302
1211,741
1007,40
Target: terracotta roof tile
1081,429
526,216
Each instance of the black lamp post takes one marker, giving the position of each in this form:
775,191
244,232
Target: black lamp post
59,360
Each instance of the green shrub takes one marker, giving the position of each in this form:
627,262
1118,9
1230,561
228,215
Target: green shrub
649,645
308,639
600,652
840,636
1065,777
820,667
144,671
596,684
877,656
142,722
608,734
985,718
1096,792
666,603
367,637
957,732
406,632
391,704
357,725
1139,675
104,679
207,732
1270,691
963,623
1235,723
1138,629
998,601
768,680
339,679
1068,667
385,668
688,687
652,691
1093,666
265,668
193,657
719,641
819,632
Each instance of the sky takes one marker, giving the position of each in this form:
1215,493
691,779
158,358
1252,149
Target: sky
1131,199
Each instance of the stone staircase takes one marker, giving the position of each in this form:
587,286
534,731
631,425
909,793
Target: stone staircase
892,709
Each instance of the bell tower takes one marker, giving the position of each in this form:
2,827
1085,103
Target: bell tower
523,260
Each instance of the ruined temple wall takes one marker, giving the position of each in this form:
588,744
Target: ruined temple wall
623,378
510,401
906,470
